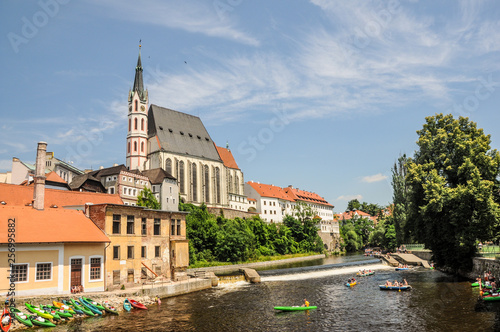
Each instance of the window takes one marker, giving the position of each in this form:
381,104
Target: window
265,211
95,268
130,252
172,227
237,185
144,226
142,124
194,181
157,226
116,224
128,147
207,184
130,225
264,202
111,190
181,177
129,124
143,252
135,146
178,227
43,271
135,106
168,166
217,185
135,123
116,252
157,251
142,146
19,272
124,178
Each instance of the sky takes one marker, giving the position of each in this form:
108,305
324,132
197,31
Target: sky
322,95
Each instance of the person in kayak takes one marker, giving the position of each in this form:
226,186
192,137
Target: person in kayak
306,303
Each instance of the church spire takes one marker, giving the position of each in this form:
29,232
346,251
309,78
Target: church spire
138,83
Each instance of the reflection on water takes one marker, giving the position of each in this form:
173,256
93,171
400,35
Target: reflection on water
438,302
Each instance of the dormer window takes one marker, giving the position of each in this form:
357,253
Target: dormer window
190,135
206,139
161,128
170,130
182,133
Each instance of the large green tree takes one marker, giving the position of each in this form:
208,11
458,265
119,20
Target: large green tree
453,180
147,198
400,199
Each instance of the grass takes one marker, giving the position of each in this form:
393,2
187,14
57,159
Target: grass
258,260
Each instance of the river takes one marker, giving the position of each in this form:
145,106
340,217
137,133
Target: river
438,302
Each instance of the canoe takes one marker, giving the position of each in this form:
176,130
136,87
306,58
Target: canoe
476,284
37,311
350,284
126,305
492,297
61,312
401,268
137,305
295,308
40,321
21,317
64,306
51,311
5,320
403,288
81,307
109,308
90,306
94,303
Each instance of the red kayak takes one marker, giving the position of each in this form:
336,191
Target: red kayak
5,320
137,305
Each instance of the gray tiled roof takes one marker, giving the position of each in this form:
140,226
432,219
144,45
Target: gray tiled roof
181,133
157,175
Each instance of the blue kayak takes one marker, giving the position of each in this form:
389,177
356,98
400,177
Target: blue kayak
401,268
90,306
403,288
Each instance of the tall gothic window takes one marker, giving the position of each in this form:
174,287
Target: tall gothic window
135,104
237,185
142,146
135,124
230,183
217,185
207,184
194,182
181,177
129,124
135,146
142,124
168,166
128,147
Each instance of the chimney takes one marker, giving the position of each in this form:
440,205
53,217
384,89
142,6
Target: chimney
39,190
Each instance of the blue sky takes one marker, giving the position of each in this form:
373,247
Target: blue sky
322,95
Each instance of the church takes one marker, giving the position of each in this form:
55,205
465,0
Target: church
179,143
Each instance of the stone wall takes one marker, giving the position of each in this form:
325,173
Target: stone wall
425,254
481,265
330,240
231,213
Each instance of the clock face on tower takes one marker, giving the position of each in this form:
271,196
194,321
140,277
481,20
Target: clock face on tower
143,108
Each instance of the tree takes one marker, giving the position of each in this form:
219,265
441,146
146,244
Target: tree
147,198
399,198
303,211
453,180
353,204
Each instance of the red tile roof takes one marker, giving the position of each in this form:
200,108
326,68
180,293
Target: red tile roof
348,215
267,190
227,157
48,226
306,196
52,176
15,195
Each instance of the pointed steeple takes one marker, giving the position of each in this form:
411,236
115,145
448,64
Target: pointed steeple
138,83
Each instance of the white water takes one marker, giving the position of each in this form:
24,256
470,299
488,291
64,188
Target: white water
325,273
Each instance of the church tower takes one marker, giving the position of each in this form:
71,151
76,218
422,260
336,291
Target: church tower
137,135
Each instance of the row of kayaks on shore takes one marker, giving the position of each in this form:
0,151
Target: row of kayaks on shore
46,315
487,296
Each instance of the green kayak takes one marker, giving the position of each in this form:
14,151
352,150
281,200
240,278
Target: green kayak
40,321
495,297
21,317
94,303
476,284
61,312
38,311
295,308
79,306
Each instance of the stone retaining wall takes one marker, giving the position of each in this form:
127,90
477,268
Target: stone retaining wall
481,265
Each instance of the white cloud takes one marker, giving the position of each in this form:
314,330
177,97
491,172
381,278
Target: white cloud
374,178
349,197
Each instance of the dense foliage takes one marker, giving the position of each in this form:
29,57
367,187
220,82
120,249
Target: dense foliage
147,198
400,200
215,238
370,208
453,187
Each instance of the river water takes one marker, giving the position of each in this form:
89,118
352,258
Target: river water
438,302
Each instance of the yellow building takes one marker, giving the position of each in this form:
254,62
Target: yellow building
49,251
144,244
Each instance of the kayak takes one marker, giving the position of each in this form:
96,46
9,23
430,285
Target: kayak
476,284
37,311
40,321
350,284
401,268
492,297
126,305
81,307
21,317
109,308
137,305
5,320
295,308
66,307
61,312
94,303
403,288
366,274
51,311
90,306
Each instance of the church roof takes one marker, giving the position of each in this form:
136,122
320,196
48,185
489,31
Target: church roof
157,175
180,133
227,157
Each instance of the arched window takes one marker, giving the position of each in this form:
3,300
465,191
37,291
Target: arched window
142,124
230,183
135,146
135,104
135,123
207,184
129,124
142,146
128,147
181,177
194,181
217,185
168,166
237,185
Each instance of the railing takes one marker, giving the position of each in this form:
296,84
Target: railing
414,246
